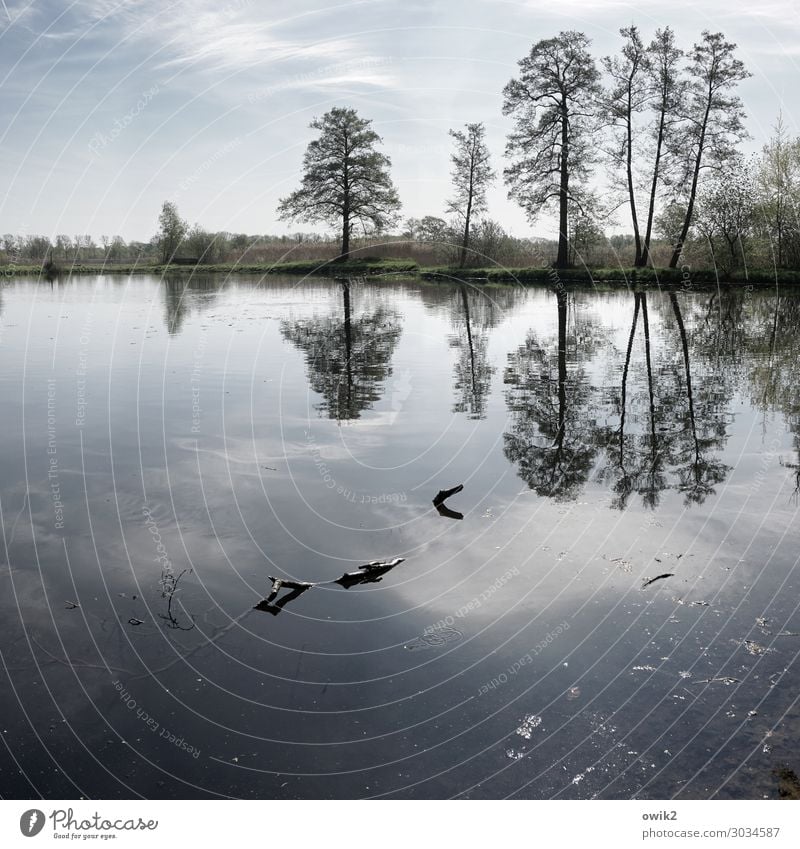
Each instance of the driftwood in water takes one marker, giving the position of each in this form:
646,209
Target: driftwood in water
269,605
369,573
280,583
657,578
442,508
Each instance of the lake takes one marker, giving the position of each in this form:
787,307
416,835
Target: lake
608,608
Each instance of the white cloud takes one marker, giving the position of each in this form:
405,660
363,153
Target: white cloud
209,36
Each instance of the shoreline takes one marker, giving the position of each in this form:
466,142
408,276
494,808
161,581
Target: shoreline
628,277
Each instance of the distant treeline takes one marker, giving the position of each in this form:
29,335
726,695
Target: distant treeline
425,241
490,246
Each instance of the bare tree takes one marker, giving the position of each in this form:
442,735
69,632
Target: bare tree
554,103
471,175
63,244
667,91
346,180
714,123
628,96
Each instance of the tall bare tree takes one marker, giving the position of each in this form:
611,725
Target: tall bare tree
715,116
628,97
554,103
667,91
346,180
471,175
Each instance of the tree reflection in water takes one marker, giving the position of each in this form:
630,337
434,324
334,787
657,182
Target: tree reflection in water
565,430
660,423
699,472
348,355
473,315
774,378
182,295
553,431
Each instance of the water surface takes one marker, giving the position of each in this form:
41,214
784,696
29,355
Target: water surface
170,446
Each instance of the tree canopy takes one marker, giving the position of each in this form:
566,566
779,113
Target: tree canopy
551,148
471,176
346,180
171,231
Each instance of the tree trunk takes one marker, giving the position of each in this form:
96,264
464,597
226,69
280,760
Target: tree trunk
562,367
348,348
732,249
562,258
687,221
624,387
465,240
645,258
651,395
631,193
465,301
689,395
345,254
468,215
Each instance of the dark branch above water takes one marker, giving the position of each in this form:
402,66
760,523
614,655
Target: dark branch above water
442,508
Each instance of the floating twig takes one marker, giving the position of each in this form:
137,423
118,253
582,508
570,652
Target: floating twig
442,508
369,573
657,578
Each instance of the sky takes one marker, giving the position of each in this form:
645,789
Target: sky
109,108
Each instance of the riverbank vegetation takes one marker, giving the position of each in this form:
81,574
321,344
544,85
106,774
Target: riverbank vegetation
375,268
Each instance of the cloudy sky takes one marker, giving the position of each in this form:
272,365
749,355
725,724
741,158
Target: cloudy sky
108,108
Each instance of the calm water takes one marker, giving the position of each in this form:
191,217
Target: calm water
167,449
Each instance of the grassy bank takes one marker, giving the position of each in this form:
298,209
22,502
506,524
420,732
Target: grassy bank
378,267
302,267
613,276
